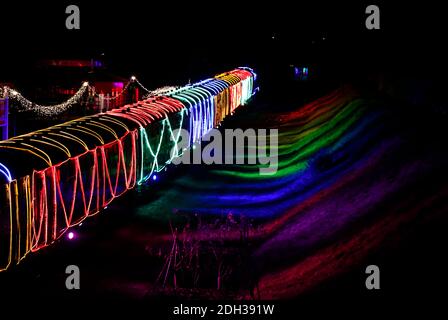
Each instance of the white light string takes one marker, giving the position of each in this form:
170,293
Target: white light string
43,110
126,87
138,82
52,110
160,91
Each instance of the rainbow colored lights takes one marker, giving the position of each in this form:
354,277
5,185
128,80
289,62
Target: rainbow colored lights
68,172
350,183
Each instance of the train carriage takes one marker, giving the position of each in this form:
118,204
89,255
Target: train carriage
54,178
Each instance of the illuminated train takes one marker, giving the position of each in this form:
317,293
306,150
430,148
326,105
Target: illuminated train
54,178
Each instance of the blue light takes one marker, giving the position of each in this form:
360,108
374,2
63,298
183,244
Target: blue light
5,172
154,177
296,71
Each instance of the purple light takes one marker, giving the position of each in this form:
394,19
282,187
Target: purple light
154,177
296,71
4,118
71,235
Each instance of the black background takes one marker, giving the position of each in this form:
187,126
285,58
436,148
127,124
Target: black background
166,40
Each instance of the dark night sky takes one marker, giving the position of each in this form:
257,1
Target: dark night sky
162,40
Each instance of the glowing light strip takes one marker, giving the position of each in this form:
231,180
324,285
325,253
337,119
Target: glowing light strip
103,188
45,158
5,171
154,163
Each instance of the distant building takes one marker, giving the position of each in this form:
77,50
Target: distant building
63,78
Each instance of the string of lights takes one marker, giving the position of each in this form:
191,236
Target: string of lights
161,91
27,105
5,171
53,110
133,78
125,89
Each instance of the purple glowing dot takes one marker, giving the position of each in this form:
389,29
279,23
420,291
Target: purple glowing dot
154,177
71,235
